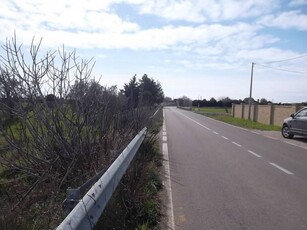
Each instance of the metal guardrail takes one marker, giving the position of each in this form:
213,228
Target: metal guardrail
89,209
73,194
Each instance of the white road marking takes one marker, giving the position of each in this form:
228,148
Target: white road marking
225,138
168,185
216,133
164,133
164,138
208,128
282,169
228,124
273,138
164,148
290,143
235,143
255,154
195,121
255,132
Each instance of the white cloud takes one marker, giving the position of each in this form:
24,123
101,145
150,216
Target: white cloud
245,9
91,21
89,16
174,10
156,38
206,10
93,24
286,20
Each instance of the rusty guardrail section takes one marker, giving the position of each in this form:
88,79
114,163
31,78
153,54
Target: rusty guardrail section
89,209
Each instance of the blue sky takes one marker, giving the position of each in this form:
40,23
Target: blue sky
200,49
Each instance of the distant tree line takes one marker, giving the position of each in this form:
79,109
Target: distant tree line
221,102
226,102
212,102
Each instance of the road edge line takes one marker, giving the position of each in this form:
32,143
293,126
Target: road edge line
168,184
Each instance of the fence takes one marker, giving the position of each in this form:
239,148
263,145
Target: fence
270,114
87,212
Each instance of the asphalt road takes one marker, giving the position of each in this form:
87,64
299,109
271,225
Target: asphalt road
225,177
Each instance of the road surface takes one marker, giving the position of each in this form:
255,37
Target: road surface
225,177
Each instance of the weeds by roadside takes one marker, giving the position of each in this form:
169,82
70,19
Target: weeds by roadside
135,204
212,110
245,123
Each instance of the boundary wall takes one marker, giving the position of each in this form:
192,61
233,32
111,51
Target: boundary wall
270,114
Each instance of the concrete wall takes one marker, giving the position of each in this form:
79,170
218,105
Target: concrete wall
267,114
264,114
237,110
282,112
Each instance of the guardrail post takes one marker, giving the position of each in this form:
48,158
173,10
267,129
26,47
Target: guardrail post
72,198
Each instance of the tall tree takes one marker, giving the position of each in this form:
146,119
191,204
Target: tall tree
145,92
151,91
131,91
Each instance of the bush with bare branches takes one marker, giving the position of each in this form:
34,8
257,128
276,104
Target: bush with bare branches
58,127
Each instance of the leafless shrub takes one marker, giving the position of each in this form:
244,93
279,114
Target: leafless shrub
58,122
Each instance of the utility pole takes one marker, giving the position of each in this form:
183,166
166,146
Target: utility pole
250,92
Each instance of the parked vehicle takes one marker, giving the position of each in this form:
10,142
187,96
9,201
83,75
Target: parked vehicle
296,124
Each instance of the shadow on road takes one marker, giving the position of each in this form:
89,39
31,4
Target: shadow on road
300,139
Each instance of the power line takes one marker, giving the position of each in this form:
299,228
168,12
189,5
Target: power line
288,59
285,70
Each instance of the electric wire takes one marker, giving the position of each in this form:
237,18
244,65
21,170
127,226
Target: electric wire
288,59
280,69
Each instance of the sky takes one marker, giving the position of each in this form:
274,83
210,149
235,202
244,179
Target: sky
197,48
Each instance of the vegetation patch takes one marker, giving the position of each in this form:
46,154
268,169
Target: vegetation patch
215,110
244,123
135,204
58,127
